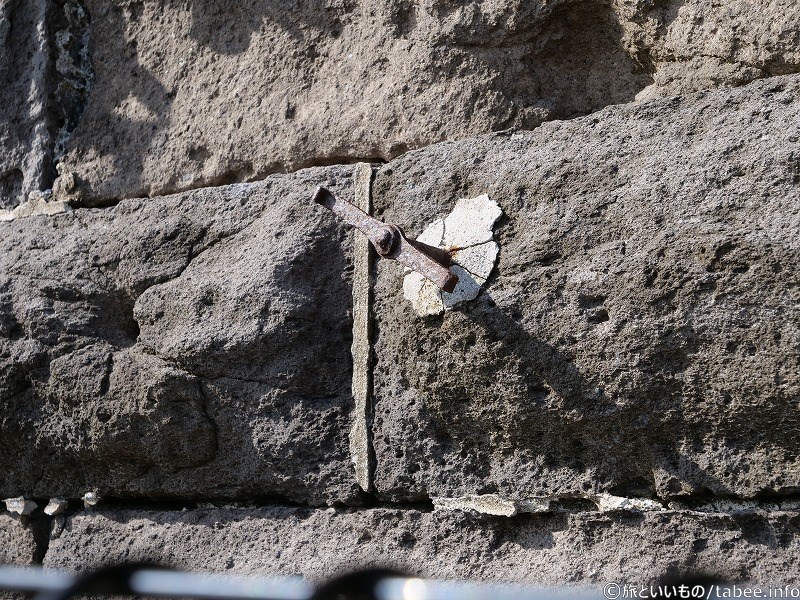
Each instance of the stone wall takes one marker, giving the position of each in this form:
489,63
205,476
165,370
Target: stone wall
187,337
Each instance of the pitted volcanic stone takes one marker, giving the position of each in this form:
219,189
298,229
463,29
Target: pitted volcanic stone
553,549
641,335
210,92
190,346
19,543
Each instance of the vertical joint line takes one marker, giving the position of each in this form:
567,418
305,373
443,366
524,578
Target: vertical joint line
361,450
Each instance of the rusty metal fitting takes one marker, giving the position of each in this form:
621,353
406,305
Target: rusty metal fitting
390,242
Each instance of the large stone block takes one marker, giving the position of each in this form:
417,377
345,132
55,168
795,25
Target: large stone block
196,94
641,332
195,345
201,93
582,547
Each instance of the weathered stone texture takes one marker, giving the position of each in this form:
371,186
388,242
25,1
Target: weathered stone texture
25,138
207,92
697,44
18,542
641,333
189,346
552,549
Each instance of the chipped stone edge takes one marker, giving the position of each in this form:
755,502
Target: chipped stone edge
360,444
492,504
38,203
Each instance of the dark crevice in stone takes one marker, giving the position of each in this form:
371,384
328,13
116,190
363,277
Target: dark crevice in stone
72,73
203,407
244,176
41,534
10,188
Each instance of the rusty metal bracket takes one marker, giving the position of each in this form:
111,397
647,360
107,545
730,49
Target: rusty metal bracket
390,242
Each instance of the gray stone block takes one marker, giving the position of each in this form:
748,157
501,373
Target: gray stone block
214,92
554,549
640,334
189,346
20,542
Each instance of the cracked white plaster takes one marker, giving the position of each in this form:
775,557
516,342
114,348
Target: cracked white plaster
467,233
20,505
609,503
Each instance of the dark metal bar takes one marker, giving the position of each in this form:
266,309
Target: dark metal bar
390,242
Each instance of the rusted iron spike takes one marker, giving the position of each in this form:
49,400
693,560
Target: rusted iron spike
390,242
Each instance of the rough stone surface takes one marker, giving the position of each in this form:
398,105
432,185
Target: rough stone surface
641,333
196,94
696,44
19,543
582,547
612,392
25,137
195,345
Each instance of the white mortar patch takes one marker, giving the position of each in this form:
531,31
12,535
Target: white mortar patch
609,503
493,504
487,504
38,203
467,233
56,506
90,499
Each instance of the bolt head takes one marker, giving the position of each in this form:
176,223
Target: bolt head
385,242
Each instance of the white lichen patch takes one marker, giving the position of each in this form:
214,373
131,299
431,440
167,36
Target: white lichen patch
467,233
20,505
